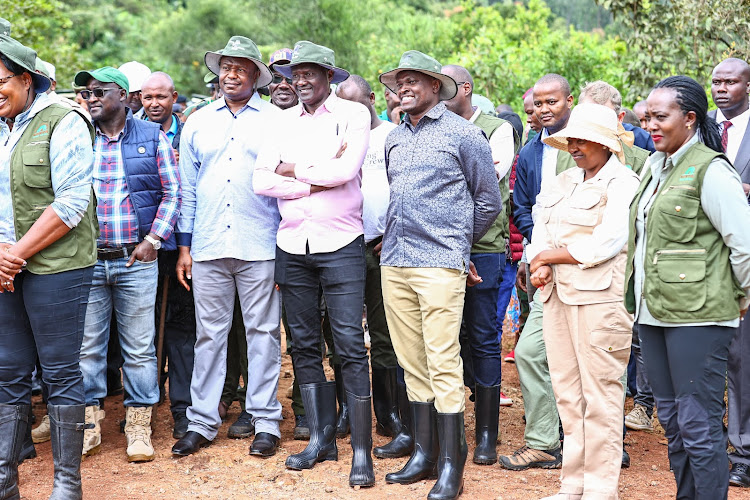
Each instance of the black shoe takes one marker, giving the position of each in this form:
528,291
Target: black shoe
242,427
402,444
189,444
625,459
342,421
301,428
264,445
66,434
423,461
362,473
385,401
181,423
452,458
486,414
739,475
320,405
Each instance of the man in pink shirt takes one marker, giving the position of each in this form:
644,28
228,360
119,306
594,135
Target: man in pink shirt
320,245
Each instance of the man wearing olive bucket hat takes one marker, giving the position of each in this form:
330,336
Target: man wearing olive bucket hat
444,198
316,178
226,237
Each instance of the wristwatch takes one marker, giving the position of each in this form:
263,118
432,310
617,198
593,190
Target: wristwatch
154,242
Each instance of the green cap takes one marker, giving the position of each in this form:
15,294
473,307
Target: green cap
107,74
210,78
4,27
26,58
413,60
309,53
240,46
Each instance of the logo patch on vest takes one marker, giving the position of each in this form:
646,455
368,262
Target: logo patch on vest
689,175
141,150
42,131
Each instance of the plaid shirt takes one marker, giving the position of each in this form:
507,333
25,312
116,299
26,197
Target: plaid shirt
117,219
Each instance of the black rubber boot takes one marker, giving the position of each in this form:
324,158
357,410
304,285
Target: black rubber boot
320,407
27,451
385,401
402,444
453,451
360,416
14,419
66,433
486,414
423,461
342,421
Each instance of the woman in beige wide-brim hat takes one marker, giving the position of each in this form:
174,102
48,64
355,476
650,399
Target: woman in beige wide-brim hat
577,255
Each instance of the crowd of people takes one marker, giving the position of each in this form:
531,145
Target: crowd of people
137,236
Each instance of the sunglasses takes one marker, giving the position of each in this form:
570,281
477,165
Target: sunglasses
98,93
277,79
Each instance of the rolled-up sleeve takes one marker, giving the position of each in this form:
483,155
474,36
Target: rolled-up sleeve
478,167
189,166
72,163
169,208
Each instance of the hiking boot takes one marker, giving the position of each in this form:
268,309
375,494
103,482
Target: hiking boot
92,437
41,433
242,427
638,419
301,428
138,434
525,458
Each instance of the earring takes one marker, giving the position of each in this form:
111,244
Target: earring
689,127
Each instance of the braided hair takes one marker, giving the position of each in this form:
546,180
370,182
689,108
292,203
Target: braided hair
692,97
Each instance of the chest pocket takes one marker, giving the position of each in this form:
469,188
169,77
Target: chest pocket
584,208
677,217
37,172
545,203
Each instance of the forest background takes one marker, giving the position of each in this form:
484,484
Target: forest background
507,45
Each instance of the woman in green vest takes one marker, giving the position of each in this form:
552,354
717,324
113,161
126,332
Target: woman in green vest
687,280
47,253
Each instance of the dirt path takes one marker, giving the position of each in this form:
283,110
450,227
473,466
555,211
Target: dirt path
226,471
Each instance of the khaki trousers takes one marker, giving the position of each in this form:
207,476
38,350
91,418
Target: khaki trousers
424,307
588,348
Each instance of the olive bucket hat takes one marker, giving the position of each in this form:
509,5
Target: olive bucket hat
240,46
309,53
26,58
413,60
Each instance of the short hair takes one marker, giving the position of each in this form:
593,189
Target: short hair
361,83
503,108
744,66
631,118
555,78
602,93
640,103
462,73
162,75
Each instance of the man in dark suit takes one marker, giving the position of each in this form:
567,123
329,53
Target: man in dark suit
730,86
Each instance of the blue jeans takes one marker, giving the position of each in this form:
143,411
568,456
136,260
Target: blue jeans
44,315
503,298
131,291
342,276
480,319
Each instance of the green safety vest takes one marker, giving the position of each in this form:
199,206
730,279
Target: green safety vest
688,276
31,193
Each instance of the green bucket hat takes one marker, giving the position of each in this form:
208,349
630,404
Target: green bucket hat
26,58
210,78
4,27
309,53
240,46
413,60
107,74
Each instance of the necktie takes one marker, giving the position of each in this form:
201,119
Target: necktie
725,134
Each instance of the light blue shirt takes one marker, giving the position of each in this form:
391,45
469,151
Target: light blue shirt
221,215
72,160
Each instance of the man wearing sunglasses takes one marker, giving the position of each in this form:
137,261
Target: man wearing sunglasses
138,199
281,88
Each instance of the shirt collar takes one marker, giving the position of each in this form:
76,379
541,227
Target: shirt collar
659,157
740,120
434,113
173,129
128,117
328,106
254,103
613,162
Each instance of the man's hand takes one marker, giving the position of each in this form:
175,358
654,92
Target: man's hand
286,169
379,248
542,277
396,115
144,252
10,266
473,278
521,277
746,188
184,267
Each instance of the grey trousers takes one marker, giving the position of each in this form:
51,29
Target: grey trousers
214,284
738,374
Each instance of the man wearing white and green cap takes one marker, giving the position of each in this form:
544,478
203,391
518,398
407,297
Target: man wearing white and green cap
316,178
226,236
444,198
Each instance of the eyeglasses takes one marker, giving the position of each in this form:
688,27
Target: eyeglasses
277,79
98,93
5,80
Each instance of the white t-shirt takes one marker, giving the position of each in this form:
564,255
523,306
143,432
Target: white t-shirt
375,190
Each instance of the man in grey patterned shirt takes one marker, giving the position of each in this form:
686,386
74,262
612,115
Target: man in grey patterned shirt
444,197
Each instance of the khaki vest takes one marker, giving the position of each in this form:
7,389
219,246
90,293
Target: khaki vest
31,193
688,276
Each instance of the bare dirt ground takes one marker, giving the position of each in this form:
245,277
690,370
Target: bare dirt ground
226,471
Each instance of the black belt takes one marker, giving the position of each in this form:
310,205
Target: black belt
374,242
115,253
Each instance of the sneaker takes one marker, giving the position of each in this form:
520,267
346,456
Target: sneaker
511,357
638,419
92,438
242,427
138,434
505,400
301,428
41,434
525,458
